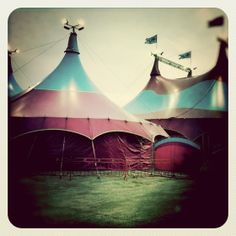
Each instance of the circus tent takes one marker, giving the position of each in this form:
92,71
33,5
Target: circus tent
178,103
193,110
66,123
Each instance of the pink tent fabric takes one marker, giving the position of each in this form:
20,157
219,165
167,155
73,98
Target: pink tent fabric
86,113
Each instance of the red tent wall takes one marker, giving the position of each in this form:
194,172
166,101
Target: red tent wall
55,150
177,157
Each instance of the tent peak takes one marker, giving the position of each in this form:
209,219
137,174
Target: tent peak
72,46
72,43
13,87
224,42
155,69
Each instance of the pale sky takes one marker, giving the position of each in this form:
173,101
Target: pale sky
112,46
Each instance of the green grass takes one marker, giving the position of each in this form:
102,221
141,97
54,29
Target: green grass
87,201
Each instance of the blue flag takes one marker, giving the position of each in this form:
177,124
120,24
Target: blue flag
185,55
151,40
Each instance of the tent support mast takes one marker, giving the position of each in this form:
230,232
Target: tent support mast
62,155
126,163
32,146
152,156
95,158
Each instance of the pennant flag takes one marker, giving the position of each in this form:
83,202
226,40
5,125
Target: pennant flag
151,40
185,55
218,21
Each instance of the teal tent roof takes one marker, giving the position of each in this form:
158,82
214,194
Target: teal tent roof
69,74
207,92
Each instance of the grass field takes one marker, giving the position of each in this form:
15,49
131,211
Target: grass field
109,201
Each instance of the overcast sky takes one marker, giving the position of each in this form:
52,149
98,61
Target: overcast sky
112,44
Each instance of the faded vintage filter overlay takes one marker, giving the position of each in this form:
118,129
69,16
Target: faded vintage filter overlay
112,76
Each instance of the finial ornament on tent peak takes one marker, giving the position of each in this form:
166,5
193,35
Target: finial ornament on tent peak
68,26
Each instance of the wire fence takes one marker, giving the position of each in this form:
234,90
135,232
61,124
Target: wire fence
125,175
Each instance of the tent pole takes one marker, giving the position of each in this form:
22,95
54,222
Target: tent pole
127,166
125,161
95,158
203,146
62,155
32,146
153,160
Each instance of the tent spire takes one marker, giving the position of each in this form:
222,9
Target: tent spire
10,71
72,46
155,69
13,86
189,73
222,60
9,64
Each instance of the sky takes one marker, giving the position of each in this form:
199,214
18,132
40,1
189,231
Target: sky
112,46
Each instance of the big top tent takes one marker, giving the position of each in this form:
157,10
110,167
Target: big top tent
68,124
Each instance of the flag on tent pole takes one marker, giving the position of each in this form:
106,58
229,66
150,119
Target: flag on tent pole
185,55
151,40
218,21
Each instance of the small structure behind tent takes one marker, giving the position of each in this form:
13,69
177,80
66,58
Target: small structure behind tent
177,155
